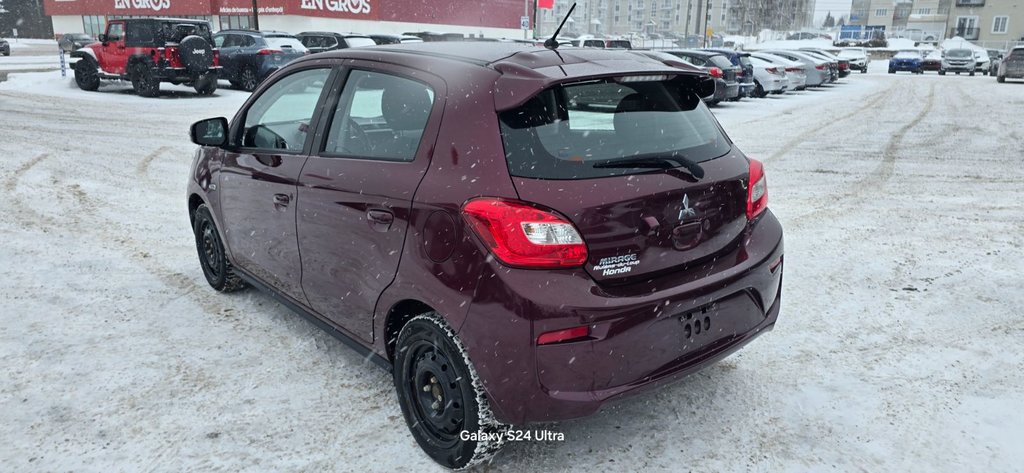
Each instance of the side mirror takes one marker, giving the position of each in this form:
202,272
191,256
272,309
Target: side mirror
210,132
102,37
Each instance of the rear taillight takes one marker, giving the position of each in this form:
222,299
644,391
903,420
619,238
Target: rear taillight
216,57
524,236
793,69
757,190
716,72
843,66
772,70
267,51
820,67
567,335
171,54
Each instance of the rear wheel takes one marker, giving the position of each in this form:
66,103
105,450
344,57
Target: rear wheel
759,91
972,73
212,257
249,80
1000,79
441,395
87,75
206,84
942,72
143,81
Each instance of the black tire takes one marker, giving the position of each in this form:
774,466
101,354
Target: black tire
87,74
759,91
441,395
212,257
984,72
1000,79
235,84
143,81
864,70
892,71
942,72
206,84
972,73
248,78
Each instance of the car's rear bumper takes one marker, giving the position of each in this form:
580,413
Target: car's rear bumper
641,337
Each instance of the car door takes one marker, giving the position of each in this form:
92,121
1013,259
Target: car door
258,196
356,190
226,49
115,56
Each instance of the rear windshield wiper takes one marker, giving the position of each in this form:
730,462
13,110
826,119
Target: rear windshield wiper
653,162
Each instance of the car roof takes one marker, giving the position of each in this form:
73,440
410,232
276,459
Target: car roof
524,69
162,19
333,33
694,52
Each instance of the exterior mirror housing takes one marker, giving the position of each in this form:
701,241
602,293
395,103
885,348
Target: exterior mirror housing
210,132
102,37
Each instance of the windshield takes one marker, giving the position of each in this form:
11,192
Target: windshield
619,44
908,55
359,41
959,53
851,53
563,131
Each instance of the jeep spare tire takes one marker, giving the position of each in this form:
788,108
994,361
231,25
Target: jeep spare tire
196,54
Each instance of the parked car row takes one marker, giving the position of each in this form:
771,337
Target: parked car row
739,74
954,60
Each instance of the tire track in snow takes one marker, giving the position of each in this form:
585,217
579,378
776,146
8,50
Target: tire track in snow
11,183
20,210
142,169
811,131
877,177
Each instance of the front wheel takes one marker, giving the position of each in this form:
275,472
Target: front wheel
87,75
441,396
759,91
143,80
972,74
1000,79
212,257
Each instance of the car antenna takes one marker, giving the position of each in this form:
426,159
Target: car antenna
552,42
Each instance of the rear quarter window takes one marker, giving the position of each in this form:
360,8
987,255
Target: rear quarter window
562,132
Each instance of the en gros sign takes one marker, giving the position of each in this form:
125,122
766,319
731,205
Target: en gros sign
155,5
358,7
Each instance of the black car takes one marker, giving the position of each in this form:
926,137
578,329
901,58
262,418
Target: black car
745,76
74,41
320,41
395,39
5,47
248,56
717,64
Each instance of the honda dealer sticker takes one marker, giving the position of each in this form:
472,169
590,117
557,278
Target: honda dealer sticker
613,265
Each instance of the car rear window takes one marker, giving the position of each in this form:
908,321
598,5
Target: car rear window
359,41
285,42
563,131
720,61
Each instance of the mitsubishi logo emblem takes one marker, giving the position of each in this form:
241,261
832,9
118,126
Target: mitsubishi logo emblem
686,211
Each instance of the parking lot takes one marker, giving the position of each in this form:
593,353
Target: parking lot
897,348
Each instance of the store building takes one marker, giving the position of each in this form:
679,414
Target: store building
487,18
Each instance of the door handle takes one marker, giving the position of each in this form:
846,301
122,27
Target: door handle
281,201
380,220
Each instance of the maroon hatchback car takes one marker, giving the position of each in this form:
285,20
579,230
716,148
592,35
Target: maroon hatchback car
519,234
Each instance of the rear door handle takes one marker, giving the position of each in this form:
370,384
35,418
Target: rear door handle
281,201
380,220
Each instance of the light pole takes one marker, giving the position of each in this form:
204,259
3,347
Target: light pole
255,16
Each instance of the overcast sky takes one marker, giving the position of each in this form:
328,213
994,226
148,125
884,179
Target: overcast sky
837,7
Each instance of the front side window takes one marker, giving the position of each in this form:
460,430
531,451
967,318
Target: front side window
379,116
279,119
577,131
115,32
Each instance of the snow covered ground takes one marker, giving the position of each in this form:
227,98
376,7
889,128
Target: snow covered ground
898,347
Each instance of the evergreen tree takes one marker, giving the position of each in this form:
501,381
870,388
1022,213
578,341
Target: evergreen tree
829,21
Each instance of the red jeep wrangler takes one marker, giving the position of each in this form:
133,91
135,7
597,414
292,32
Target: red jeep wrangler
148,51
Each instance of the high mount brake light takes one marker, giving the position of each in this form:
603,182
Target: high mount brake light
523,236
647,78
757,190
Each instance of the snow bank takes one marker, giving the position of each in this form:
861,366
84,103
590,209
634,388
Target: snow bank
51,84
25,42
957,42
793,44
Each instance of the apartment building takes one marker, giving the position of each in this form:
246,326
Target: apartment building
677,17
988,22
